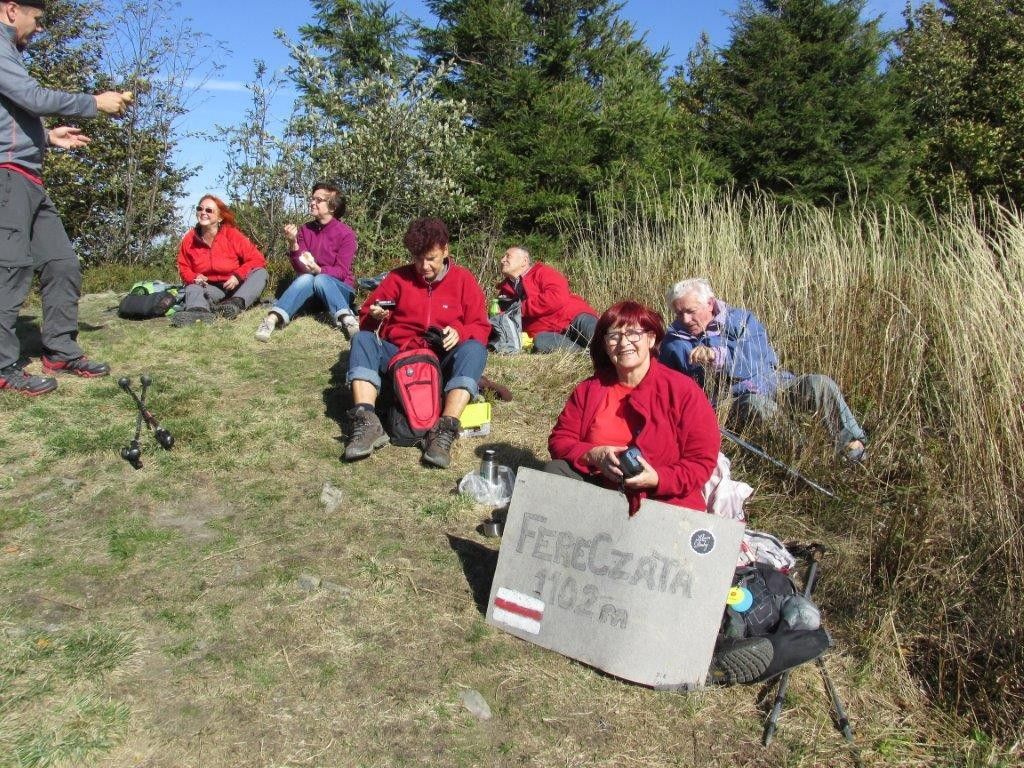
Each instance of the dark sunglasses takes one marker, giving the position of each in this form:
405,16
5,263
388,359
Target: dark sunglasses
201,209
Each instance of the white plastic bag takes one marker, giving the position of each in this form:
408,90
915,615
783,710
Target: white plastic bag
485,492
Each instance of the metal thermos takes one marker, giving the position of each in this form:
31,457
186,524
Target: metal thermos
489,467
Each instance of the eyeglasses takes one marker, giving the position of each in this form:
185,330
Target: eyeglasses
318,200
201,209
633,336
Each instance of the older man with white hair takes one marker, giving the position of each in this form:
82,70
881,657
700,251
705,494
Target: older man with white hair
716,344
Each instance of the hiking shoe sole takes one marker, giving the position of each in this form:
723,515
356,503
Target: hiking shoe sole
740,661
355,455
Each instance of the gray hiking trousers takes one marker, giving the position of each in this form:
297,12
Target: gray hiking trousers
204,296
810,393
33,240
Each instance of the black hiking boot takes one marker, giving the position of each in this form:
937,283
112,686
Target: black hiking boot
15,379
440,439
83,366
231,308
741,660
366,434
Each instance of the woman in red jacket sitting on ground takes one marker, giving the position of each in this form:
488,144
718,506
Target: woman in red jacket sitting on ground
221,269
632,400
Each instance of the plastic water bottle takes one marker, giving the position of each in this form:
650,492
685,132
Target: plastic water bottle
489,467
493,308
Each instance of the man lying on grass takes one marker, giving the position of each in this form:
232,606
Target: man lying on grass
727,346
431,292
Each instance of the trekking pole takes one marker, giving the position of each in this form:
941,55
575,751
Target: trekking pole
771,724
761,453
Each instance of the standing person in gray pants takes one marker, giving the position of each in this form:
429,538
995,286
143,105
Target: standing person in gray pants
32,237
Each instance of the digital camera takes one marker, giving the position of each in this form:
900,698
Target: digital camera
629,462
434,337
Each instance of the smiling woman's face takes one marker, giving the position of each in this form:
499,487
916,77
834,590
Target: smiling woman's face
629,348
207,213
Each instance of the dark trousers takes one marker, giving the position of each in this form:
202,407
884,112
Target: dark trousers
33,240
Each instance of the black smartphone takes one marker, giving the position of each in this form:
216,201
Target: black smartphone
629,462
387,303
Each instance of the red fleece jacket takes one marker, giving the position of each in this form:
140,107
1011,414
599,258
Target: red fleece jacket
679,434
455,299
549,305
231,254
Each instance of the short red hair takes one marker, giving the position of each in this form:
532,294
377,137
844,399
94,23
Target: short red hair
621,315
424,235
226,214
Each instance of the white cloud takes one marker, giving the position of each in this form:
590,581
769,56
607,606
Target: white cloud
234,86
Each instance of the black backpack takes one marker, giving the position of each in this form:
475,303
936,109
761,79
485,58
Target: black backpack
411,404
768,588
143,306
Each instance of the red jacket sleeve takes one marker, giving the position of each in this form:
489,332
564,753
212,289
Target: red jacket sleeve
700,442
185,268
547,294
475,324
566,439
249,255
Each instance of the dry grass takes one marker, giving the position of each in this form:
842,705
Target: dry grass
155,617
923,327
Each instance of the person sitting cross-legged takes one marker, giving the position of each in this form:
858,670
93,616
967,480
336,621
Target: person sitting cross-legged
222,270
432,291
321,251
715,343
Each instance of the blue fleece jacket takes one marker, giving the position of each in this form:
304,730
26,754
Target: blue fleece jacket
743,356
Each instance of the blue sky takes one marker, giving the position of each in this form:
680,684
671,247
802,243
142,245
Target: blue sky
245,31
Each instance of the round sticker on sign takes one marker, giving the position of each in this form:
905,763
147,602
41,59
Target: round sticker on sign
702,541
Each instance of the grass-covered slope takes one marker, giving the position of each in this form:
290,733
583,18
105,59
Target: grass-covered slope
209,610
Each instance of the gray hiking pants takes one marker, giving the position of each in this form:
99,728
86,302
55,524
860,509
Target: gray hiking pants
810,393
576,337
204,296
33,240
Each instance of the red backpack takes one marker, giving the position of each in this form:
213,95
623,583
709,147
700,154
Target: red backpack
414,405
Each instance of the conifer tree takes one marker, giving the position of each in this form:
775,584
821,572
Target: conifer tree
564,100
797,104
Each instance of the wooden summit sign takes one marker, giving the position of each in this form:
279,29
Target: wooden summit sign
638,597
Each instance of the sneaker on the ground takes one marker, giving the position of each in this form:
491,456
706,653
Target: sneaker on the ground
348,324
440,439
266,328
740,660
83,366
855,452
231,308
190,317
366,434
14,378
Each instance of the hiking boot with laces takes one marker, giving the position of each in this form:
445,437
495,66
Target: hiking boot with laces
365,435
83,367
15,379
348,324
229,309
440,440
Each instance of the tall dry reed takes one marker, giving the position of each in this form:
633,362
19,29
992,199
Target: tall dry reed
922,325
